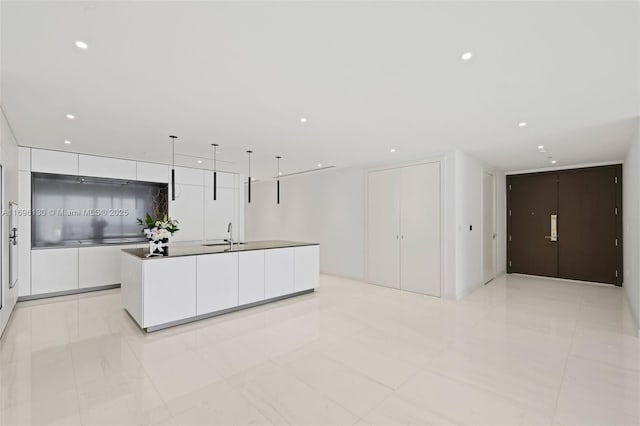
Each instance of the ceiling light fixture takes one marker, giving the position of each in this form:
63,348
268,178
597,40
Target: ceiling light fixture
67,142
466,56
249,152
215,171
173,167
540,147
199,161
522,124
70,116
392,150
278,181
82,45
303,120
553,161
319,164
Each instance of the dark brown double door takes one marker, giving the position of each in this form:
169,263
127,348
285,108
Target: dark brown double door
566,224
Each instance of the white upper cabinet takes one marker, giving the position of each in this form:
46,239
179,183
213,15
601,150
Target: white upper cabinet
150,172
90,165
188,209
219,213
24,158
188,176
45,161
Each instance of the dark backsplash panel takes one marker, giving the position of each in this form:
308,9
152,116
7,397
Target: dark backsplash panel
75,210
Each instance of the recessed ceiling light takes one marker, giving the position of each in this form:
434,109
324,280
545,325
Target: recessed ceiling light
303,120
392,150
553,161
319,164
522,124
280,173
70,116
82,45
540,147
67,142
466,56
199,161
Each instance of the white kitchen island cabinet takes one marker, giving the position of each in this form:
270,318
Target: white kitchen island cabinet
198,281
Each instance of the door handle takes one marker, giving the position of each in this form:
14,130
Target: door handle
554,228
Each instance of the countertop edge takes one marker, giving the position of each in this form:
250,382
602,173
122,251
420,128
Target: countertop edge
285,244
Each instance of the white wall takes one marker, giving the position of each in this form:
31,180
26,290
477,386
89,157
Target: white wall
630,212
468,213
327,207
9,161
330,208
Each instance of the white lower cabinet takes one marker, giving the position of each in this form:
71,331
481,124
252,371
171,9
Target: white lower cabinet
217,282
99,266
278,272
307,267
169,290
250,276
54,270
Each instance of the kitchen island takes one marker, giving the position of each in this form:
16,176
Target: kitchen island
194,282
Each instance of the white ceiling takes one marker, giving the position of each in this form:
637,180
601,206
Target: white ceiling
369,76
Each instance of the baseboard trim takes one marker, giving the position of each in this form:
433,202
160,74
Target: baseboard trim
66,292
222,312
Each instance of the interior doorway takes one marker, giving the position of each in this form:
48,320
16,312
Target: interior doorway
566,224
489,240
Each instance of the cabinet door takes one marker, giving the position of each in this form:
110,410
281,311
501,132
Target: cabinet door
24,234
151,172
64,163
189,176
278,272
169,290
114,168
420,229
219,213
383,206
307,267
54,270
217,280
251,276
188,210
99,266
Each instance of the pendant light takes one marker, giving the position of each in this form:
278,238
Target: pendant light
249,182
173,168
215,176
278,181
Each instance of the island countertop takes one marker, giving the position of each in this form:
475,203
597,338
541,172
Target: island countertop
180,249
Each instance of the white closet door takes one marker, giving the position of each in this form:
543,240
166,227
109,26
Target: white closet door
420,229
383,227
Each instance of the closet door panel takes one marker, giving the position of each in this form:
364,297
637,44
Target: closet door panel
383,207
420,251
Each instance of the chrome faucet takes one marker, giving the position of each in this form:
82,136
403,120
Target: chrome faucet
230,231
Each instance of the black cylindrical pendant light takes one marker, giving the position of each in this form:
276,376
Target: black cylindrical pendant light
249,182
173,167
278,181
215,169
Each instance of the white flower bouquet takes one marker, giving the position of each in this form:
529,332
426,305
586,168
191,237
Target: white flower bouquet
158,232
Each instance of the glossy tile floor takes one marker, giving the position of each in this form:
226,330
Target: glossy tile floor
518,351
